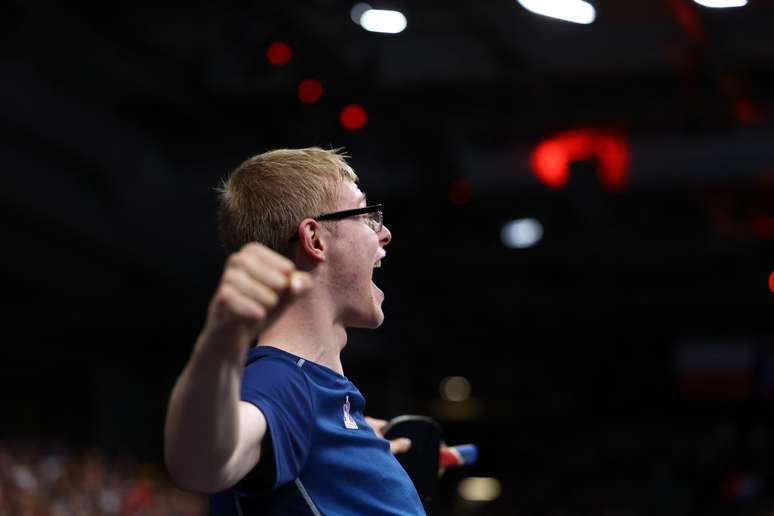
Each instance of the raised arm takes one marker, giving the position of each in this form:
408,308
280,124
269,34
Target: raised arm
211,438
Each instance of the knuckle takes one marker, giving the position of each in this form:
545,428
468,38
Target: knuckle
277,280
271,299
253,246
226,294
229,277
287,264
235,261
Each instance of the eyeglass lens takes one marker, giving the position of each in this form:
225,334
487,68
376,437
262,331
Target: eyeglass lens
376,220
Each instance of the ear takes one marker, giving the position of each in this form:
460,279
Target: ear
310,240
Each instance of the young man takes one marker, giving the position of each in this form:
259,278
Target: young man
285,433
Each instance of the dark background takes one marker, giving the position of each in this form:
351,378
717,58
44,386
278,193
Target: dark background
117,122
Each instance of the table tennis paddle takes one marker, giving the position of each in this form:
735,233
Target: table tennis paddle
423,460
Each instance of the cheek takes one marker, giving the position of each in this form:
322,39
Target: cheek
353,263
351,269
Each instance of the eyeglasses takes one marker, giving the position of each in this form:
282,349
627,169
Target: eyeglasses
375,219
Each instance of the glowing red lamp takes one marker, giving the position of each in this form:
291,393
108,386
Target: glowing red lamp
309,91
550,160
278,53
353,117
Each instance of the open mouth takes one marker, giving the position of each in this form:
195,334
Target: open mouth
377,264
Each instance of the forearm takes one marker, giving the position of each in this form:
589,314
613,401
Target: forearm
202,425
211,439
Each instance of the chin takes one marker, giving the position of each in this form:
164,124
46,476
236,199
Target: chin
379,314
371,321
379,320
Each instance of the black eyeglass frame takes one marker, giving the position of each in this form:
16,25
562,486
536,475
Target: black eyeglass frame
343,214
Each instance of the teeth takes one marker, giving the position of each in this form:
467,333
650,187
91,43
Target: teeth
378,264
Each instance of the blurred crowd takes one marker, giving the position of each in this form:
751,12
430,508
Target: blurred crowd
52,480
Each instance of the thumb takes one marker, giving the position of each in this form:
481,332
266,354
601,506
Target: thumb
300,282
400,445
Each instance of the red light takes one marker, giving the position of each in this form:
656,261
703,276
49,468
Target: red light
353,117
771,281
459,192
613,155
550,160
551,164
309,91
278,54
687,19
746,111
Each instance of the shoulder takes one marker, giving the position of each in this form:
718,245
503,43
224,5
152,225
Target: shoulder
270,362
275,375
268,354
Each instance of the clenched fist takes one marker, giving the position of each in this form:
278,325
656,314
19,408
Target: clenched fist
257,283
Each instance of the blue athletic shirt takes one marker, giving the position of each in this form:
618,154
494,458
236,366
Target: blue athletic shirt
327,460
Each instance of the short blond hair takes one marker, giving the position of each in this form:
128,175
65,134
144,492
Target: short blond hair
267,196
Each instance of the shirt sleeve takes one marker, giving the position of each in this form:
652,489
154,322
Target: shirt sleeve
280,391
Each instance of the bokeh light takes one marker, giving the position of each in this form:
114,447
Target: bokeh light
521,233
550,159
575,11
455,388
479,489
309,91
278,53
384,21
353,117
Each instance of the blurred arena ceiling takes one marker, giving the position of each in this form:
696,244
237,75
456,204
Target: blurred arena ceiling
473,73
118,120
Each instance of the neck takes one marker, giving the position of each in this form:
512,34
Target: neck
308,329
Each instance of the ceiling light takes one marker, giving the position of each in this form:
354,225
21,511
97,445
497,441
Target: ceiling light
386,22
575,11
353,117
309,91
721,3
521,233
278,53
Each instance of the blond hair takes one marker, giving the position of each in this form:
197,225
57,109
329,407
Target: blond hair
267,196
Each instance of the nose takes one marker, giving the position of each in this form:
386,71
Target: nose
384,236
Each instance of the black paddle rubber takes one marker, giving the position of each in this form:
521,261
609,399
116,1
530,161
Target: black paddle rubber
421,461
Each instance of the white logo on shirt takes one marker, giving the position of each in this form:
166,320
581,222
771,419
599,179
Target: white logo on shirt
348,421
